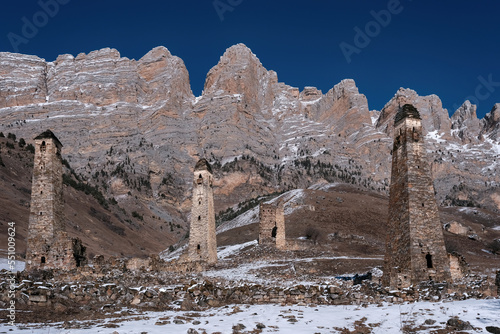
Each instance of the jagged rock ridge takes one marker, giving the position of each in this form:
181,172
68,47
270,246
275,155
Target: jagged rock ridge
135,129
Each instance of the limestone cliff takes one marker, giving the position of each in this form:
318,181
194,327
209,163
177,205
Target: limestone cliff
134,129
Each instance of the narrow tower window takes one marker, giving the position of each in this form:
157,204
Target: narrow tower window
428,257
42,260
199,217
43,147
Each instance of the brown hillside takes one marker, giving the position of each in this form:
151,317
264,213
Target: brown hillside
113,231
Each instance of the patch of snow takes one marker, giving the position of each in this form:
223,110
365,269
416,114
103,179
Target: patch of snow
225,251
166,255
377,272
230,159
433,135
247,218
197,99
495,147
19,266
467,209
306,103
386,318
323,186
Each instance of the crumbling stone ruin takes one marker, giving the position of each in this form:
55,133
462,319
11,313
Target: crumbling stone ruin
48,245
459,267
202,240
415,249
497,281
272,225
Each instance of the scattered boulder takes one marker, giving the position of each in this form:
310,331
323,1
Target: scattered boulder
238,327
459,325
457,228
493,329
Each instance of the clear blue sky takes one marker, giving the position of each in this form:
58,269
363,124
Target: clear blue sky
448,48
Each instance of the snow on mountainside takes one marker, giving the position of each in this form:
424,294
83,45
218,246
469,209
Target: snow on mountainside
135,130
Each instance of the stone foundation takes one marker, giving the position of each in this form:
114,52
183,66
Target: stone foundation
123,288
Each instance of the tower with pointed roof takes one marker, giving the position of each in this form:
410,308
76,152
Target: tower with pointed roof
415,249
48,246
202,239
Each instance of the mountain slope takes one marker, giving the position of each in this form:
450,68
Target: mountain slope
133,129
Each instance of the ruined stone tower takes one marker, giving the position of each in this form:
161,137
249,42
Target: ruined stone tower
415,249
202,239
272,225
48,245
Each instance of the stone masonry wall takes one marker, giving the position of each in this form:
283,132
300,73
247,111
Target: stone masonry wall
202,239
272,225
122,288
48,244
415,249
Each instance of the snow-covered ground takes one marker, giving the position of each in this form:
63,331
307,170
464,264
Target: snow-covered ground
223,252
385,318
4,264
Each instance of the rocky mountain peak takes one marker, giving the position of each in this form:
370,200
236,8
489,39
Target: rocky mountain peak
344,108
156,53
165,76
465,124
237,70
239,53
105,53
465,113
491,123
346,87
430,107
310,94
494,114
22,79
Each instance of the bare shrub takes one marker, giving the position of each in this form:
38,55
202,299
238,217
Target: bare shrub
494,246
313,234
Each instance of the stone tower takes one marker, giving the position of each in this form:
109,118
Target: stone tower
415,249
48,245
272,225
202,239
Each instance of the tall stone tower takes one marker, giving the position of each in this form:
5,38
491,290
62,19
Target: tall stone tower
202,238
415,249
272,225
48,245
